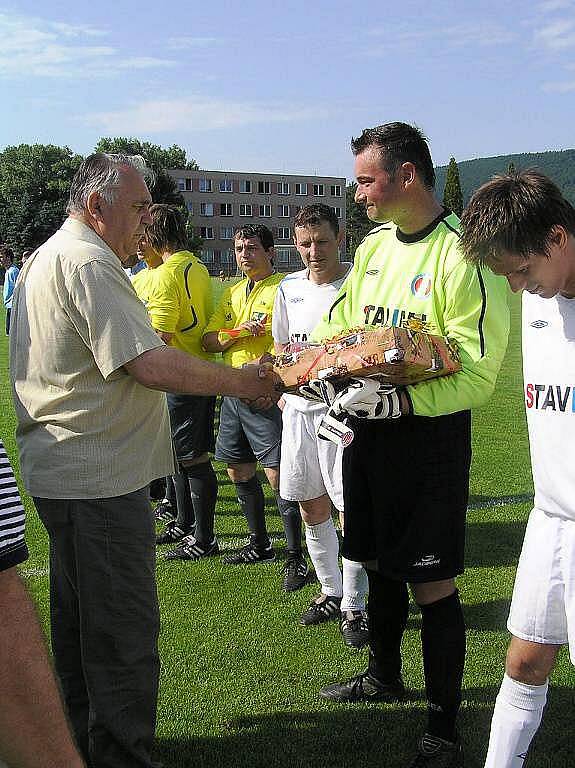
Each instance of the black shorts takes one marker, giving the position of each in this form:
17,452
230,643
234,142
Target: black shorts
192,423
406,488
247,436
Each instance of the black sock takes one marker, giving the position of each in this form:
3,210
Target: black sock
203,486
182,504
443,642
291,519
251,498
387,609
170,494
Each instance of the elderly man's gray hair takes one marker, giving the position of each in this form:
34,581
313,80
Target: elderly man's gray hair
101,172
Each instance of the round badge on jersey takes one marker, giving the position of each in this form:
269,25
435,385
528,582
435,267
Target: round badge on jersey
421,285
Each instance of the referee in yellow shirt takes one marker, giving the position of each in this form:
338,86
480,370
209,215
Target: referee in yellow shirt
179,305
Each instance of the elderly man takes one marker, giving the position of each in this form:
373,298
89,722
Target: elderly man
92,433
32,720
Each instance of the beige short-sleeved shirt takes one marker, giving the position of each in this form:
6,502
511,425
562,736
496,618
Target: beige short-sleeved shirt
86,428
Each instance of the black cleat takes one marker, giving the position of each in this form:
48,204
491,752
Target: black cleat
354,628
296,572
171,534
191,549
322,608
364,687
434,752
164,511
250,554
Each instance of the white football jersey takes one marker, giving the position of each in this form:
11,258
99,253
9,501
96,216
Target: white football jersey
299,306
549,388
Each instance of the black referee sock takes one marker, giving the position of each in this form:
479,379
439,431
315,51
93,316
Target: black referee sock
443,642
182,503
203,485
387,608
291,519
251,499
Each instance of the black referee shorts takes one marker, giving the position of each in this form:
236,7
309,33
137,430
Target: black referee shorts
192,423
406,488
247,436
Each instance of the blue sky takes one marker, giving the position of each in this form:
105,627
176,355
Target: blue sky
258,86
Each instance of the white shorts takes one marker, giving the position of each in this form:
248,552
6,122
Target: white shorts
309,466
543,605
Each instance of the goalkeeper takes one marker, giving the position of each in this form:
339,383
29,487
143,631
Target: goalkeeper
406,473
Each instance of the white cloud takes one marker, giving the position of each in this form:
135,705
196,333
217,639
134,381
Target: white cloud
195,113
565,86
549,6
35,47
557,35
184,43
454,36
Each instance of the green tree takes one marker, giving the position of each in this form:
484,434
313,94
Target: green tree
511,168
357,222
159,159
452,197
34,187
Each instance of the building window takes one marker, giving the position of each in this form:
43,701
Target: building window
207,233
283,233
318,190
283,211
190,207
337,210
205,185
181,185
301,189
265,210
226,209
246,210
335,190
206,209
207,256
283,255
226,185
283,188
264,188
226,233
245,186
228,257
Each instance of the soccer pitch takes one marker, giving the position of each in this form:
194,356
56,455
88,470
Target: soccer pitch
240,676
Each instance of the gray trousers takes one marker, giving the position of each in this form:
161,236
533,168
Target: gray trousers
105,623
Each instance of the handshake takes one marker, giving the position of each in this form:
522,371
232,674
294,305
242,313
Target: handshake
360,398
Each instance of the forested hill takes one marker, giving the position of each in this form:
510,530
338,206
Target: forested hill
560,166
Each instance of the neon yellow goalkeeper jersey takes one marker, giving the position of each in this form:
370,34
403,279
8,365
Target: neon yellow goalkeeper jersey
396,277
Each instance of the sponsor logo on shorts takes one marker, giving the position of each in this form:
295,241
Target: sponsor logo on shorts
427,561
421,285
228,317
550,397
539,324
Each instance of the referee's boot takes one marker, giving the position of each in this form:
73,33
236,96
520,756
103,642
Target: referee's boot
434,752
364,687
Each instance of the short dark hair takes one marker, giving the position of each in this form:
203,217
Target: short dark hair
260,231
514,213
316,213
398,143
5,250
168,228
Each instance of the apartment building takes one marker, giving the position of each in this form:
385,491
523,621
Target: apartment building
221,201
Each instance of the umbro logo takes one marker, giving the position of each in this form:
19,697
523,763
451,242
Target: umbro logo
296,299
539,324
372,272
522,756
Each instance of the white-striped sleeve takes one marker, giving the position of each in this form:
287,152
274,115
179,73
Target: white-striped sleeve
12,543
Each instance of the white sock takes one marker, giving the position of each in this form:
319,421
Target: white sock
355,586
516,718
323,548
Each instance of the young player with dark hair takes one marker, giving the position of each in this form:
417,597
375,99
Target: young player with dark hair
310,470
522,227
413,532
246,437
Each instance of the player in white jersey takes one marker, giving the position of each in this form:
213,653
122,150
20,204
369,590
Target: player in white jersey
311,467
522,227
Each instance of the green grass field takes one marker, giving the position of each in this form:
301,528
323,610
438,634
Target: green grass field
240,676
